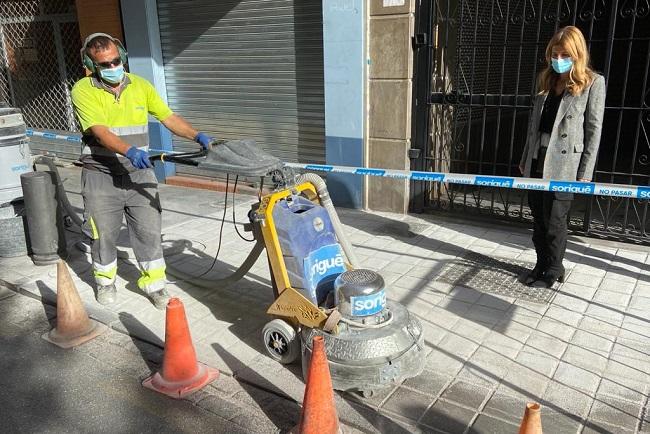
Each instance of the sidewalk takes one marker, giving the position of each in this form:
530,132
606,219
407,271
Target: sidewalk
581,350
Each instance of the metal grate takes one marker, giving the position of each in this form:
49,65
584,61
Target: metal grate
39,60
478,75
493,275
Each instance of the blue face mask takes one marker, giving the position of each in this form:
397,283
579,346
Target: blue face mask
112,75
562,65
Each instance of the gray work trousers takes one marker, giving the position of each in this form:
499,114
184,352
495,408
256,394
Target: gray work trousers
107,200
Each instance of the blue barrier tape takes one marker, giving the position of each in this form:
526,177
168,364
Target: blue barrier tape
54,136
589,188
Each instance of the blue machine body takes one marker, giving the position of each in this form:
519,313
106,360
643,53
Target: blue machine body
311,252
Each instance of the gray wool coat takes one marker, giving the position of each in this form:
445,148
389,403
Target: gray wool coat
575,138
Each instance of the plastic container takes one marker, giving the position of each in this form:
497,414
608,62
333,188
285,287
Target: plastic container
311,253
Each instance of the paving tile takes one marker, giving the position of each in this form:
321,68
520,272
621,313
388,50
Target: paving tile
592,341
549,345
594,427
584,279
443,363
458,346
447,417
502,344
433,333
565,316
578,378
615,412
643,284
622,388
612,298
6,292
523,381
632,349
359,419
491,362
586,359
578,292
567,400
557,329
538,361
598,326
511,328
476,375
374,401
508,407
468,295
610,314
628,370
484,315
408,404
470,330
640,303
591,267
616,285
428,382
558,422
485,424
468,395
570,302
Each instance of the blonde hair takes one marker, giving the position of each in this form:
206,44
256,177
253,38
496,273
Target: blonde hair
581,75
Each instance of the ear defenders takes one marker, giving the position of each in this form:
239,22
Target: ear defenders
88,62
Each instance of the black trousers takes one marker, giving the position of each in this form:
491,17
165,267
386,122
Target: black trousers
550,211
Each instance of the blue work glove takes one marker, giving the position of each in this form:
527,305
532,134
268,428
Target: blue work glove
204,140
138,157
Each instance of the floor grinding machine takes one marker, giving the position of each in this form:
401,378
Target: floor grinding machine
371,342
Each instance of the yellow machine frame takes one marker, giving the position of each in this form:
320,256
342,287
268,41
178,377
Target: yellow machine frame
289,303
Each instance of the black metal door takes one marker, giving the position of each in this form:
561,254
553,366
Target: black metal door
476,65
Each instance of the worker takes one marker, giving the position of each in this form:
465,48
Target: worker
117,179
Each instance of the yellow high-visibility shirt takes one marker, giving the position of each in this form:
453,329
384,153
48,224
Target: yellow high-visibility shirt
124,114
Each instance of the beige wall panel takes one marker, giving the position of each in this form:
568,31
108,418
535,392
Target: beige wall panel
386,194
390,109
390,47
377,7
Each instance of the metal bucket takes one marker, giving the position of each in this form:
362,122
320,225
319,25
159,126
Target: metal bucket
12,230
15,158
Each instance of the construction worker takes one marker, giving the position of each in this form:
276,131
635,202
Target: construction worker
117,179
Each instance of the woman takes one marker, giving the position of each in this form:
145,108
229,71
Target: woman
561,144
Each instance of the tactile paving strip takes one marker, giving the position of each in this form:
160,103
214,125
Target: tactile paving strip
493,275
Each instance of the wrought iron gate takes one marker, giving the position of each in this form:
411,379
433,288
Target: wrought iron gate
476,64
39,60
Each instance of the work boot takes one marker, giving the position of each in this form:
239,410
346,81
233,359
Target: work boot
106,294
159,299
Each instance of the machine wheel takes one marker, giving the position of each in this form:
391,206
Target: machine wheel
368,393
280,341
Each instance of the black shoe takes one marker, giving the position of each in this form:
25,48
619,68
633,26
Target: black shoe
547,280
533,275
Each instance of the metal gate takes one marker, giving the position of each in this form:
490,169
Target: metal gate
247,69
39,63
476,65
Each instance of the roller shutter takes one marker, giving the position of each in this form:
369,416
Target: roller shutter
247,69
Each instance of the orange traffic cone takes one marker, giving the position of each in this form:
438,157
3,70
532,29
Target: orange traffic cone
181,374
532,422
318,410
73,327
